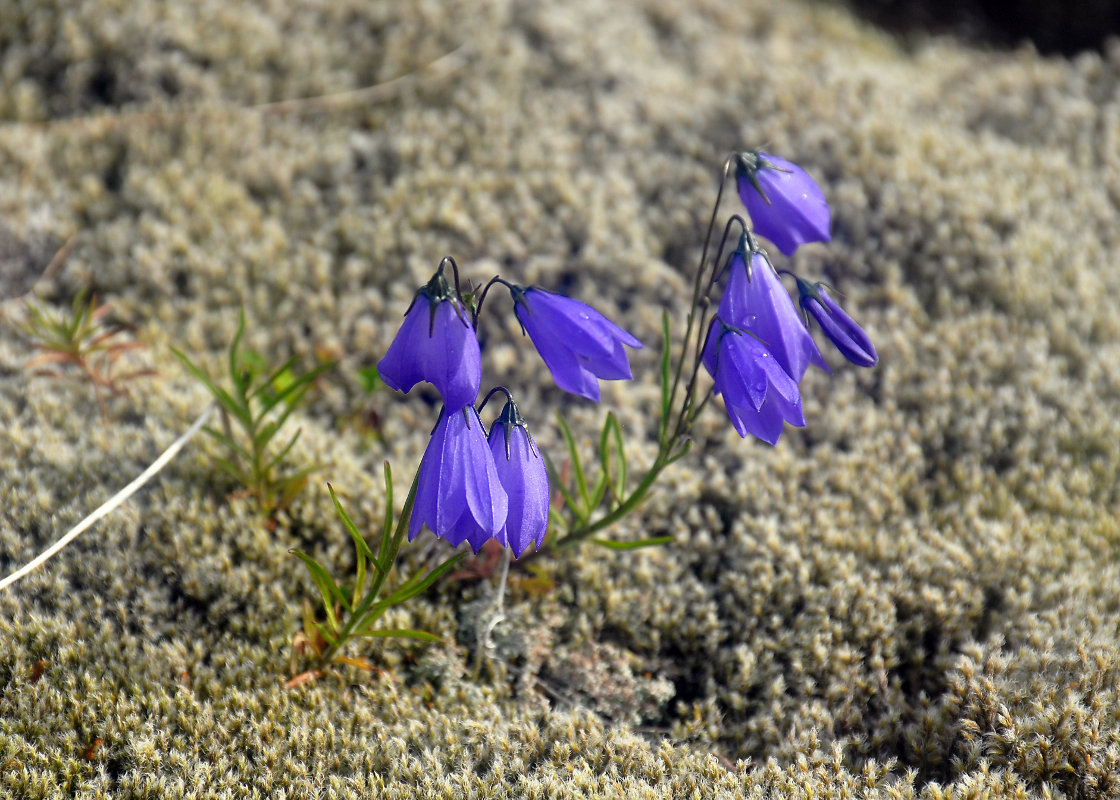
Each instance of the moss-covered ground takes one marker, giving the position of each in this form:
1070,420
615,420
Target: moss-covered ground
917,595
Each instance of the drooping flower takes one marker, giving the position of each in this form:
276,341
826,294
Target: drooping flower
755,300
843,331
459,496
577,343
758,394
522,473
785,204
436,343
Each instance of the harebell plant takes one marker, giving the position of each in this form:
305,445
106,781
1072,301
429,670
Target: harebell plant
482,477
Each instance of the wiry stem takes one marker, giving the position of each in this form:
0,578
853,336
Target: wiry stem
672,442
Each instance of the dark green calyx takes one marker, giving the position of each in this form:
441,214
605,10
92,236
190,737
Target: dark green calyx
747,166
509,419
439,290
747,246
748,163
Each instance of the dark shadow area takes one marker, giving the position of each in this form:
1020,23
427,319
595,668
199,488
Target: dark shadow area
1053,26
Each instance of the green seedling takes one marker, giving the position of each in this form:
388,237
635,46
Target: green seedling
353,609
78,344
253,411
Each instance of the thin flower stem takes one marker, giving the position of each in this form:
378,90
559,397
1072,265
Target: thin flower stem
689,412
386,566
482,295
485,400
485,642
669,442
697,290
698,294
454,271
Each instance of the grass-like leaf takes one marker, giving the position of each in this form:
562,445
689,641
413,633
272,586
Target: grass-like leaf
387,525
611,439
328,589
577,466
404,633
666,374
556,480
418,584
355,609
260,400
656,541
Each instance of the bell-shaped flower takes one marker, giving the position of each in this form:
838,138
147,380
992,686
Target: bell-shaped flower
459,496
758,394
755,300
436,343
843,331
785,204
522,473
577,343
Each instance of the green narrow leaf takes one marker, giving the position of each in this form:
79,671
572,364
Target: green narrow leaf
361,549
252,362
293,386
355,534
666,380
577,467
329,635
413,587
233,470
555,479
274,462
262,437
234,371
273,379
326,585
612,434
370,619
308,619
229,443
283,385
556,521
387,525
224,398
597,491
369,379
404,633
656,541
679,454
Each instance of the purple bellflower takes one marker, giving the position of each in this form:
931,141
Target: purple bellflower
522,473
436,343
758,393
755,300
577,343
843,331
459,496
785,204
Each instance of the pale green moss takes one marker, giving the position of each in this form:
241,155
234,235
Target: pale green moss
913,597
